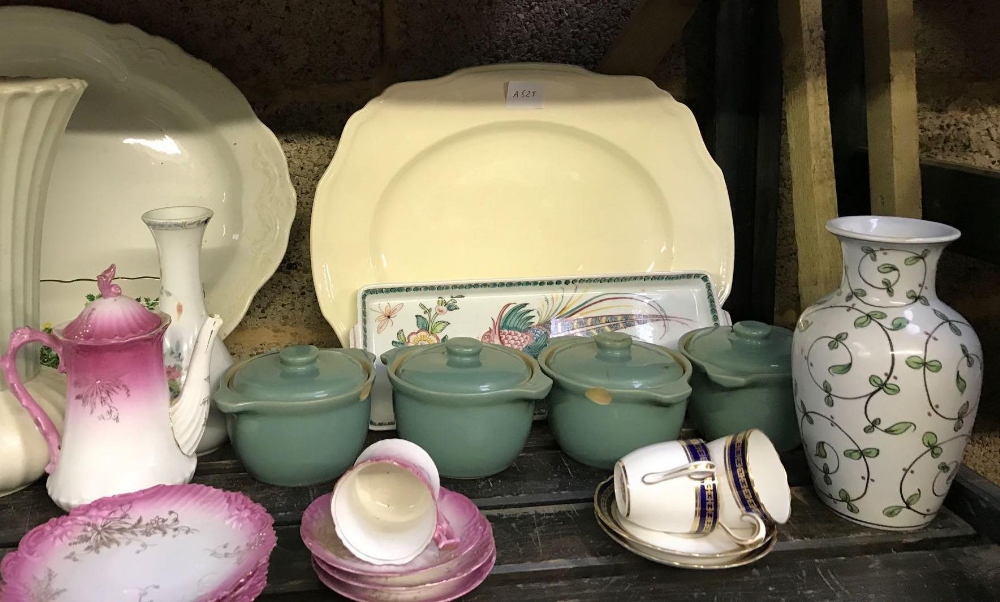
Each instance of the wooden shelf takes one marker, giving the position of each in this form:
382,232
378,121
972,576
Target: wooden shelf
551,548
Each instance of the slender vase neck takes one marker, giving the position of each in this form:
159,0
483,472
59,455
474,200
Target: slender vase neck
890,274
180,260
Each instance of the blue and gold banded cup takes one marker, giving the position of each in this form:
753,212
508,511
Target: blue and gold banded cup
669,487
755,483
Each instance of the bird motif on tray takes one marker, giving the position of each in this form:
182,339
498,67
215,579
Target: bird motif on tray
519,327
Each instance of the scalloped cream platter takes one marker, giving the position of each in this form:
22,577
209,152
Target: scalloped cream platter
156,127
517,171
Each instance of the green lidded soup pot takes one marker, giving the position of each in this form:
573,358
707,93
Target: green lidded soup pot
468,403
613,395
742,380
298,416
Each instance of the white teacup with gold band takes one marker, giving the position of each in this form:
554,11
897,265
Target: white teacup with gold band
672,487
755,481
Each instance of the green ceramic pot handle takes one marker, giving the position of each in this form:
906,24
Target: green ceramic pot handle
730,381
388,357
678,392
360,355
537,386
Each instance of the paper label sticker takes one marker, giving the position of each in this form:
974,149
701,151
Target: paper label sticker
524,95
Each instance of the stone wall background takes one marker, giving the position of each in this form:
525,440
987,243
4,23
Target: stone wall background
307,65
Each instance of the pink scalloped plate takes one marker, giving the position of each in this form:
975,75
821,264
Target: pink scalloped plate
450,589
470,526
169,543
251,587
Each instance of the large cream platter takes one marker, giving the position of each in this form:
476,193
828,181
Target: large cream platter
156,127
455,179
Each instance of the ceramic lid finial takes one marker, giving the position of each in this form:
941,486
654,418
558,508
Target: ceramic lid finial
106,286
750,334
614,346
299,361
464,352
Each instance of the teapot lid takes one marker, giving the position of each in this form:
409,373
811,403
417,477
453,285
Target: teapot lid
464,365
612,360
112,317
298,373
746,348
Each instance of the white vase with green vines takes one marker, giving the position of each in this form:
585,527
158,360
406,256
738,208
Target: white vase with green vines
886,377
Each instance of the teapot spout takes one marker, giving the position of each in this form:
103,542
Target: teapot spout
189,414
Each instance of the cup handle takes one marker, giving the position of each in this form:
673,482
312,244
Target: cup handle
760,531
444,534
698,471
18,338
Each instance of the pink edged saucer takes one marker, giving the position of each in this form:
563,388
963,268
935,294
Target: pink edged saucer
440,591
434,564
169,543
458,568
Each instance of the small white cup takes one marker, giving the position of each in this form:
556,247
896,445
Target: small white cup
668,487
673,487
385,508
751,478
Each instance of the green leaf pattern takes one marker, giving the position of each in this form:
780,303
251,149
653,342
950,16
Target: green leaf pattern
900,427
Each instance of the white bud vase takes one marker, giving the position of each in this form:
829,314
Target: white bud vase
178,232
886,377
33,118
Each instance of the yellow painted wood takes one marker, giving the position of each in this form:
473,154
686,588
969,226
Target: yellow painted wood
654,27
891,88
807,111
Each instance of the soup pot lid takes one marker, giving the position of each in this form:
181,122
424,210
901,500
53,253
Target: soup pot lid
463,365
299,373
612,360
746,348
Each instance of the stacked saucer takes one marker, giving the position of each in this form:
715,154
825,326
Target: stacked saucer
713,551
691,504
435,575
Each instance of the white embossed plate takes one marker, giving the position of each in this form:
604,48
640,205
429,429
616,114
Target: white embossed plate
437,180
156,127
170,543
526,313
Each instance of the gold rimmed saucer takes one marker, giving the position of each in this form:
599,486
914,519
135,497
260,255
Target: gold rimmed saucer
604,506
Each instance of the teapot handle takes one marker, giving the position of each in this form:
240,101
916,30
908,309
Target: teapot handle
8,364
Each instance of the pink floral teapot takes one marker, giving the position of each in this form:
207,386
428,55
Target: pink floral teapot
121,433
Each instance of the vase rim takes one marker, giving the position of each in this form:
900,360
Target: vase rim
36,85
889,229
179,217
